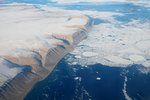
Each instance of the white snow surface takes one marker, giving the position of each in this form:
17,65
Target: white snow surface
113,43
28,33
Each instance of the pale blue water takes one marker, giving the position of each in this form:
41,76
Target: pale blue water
129,10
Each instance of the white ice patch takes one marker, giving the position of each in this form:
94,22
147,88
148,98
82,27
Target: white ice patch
136,58
127,97
78,78
74,63
98,78
89,54
78,57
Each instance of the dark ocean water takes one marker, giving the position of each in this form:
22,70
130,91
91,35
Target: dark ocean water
75,82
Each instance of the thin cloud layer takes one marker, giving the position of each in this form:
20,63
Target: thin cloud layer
76,1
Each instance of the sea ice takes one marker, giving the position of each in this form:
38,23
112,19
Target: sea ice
98,78
114,43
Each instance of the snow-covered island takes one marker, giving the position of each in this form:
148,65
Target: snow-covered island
32,41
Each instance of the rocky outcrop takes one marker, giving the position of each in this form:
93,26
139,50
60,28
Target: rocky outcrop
32,41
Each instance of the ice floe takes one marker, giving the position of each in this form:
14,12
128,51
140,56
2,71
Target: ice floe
136,58
78,78
98,78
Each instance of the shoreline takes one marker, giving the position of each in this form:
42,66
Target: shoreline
43,63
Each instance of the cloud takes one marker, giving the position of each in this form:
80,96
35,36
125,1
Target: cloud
76,1
137,2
